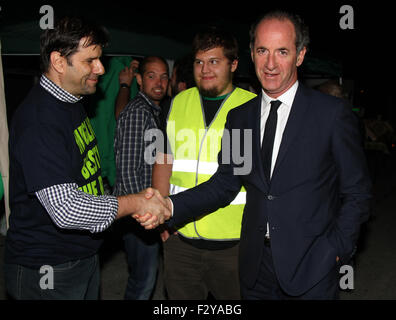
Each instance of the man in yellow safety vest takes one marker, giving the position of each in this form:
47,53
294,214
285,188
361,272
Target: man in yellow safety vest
202,256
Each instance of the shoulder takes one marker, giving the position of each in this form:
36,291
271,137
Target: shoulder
244,94
316,96
247,107
322,104
136,107
185,95
189,97
41,108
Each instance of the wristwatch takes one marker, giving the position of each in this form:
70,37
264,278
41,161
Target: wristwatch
124,85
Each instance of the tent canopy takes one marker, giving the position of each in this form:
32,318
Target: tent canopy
166,30
23,38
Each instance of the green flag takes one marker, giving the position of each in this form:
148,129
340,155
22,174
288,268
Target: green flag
102,114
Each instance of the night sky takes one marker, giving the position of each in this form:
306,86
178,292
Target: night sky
365,52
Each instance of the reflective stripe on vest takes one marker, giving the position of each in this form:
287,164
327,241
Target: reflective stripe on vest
195,149
192,166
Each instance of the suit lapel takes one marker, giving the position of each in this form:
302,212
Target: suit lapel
257,158
293,127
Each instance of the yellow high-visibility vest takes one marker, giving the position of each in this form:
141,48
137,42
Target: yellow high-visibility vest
195,147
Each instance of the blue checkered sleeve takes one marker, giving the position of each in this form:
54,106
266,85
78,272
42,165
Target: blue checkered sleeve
130,145
71,208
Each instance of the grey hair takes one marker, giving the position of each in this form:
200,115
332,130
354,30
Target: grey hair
302,32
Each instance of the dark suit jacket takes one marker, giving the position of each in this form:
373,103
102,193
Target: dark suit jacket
318,196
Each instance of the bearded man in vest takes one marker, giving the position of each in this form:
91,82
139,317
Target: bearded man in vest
201,256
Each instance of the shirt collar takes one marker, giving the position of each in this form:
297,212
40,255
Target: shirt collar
57,91
286,98
150,102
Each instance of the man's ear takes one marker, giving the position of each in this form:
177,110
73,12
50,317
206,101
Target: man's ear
234,65
300,57
58,62
252,54
139,79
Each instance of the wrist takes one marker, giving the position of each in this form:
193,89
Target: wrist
125,85
127,205
169,205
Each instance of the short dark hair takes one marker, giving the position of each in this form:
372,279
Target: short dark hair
302,31
65,38
149,59
214,37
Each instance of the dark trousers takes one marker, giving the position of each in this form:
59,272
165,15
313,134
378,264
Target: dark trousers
191,273
73,280
142,249
267,286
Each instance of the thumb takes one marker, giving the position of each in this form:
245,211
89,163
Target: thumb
149,193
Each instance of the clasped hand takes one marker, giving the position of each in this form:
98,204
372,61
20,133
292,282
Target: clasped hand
155,211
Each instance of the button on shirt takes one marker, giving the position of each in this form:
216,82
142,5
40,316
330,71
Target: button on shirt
287,99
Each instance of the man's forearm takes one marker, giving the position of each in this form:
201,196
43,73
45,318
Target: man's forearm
121,101
162,171
70,208
126,205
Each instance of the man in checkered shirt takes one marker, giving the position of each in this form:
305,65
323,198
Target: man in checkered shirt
137,129
56,190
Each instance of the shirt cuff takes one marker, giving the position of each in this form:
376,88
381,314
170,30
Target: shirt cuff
171,206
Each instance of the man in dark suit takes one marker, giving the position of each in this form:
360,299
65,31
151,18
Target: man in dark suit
308,190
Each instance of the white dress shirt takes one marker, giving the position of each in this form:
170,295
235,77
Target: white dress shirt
283,112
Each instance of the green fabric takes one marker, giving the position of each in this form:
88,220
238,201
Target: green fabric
215,98
101,114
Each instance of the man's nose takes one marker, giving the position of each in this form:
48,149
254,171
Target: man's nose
99,68
270,62
205,67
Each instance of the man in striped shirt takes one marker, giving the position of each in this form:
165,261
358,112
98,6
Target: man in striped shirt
56,191
137,128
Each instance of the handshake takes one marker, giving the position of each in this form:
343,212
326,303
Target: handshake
148,207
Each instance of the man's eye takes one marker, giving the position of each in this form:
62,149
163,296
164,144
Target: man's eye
260,51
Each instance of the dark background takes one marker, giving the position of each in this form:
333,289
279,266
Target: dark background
365,57
364,54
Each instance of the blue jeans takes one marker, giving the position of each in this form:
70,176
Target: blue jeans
73,280
142,250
